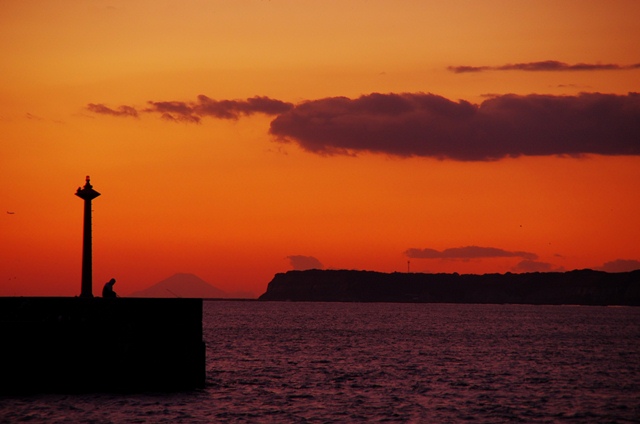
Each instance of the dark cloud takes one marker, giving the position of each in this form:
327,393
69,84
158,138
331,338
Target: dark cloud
301,263
232,109
620,265
427,125
545,65
467,252
101,109
418,124
193,112
174,111
180,118
467,69
528,265
219,109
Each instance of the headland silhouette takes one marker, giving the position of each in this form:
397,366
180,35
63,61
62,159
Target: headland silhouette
580,287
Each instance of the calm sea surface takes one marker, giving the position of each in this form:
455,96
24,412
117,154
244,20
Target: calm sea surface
354,362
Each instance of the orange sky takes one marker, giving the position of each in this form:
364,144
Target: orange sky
346,182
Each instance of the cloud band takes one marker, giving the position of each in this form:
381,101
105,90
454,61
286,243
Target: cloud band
467,252
418,124
428,125
545,66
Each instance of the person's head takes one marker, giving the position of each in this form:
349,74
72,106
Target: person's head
112,281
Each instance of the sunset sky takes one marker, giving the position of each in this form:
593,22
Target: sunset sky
238,139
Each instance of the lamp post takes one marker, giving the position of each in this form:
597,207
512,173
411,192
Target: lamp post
87,193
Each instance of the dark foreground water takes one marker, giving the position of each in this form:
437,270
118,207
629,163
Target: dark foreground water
349,362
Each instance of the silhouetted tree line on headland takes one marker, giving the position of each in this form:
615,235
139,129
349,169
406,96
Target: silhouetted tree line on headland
580,287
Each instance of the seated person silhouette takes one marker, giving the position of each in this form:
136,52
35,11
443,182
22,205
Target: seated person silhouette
107,290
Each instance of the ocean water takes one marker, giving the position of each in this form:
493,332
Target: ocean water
281,362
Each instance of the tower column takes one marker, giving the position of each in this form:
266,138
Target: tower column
87,193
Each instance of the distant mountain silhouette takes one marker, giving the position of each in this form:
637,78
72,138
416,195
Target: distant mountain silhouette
182,285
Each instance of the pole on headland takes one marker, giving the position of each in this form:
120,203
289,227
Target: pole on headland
87,193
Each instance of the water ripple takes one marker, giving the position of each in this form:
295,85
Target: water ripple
338,362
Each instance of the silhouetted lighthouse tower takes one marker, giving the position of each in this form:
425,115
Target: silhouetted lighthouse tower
88,194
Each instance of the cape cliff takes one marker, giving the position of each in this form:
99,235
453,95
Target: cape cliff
580,287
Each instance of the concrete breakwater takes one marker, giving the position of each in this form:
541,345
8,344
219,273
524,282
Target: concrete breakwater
79,345
580,287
